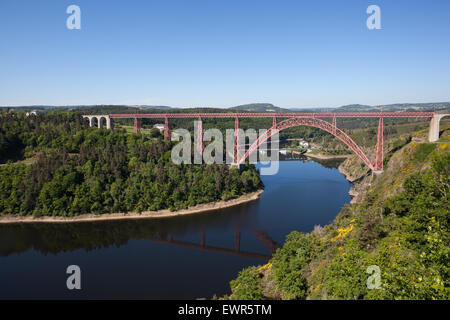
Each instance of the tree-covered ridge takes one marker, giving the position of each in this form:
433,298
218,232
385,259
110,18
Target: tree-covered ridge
81,170
22,136
401,227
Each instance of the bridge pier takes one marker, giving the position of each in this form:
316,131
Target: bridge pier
166,129
137,125
236,140
434,127
334,123
379,157
198,137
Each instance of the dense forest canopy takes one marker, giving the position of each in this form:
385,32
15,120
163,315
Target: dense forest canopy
75,169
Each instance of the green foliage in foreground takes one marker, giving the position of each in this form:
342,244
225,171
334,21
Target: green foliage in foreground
287,265
104,171
405,234
247,286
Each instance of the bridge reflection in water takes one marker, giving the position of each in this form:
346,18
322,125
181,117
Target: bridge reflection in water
260,235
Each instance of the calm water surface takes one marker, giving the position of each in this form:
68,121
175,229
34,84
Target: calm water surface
175,258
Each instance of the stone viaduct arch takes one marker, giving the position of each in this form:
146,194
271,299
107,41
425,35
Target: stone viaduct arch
103,118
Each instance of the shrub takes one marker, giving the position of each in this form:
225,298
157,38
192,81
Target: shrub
247,285
287,265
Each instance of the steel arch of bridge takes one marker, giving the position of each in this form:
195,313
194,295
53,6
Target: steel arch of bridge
311,122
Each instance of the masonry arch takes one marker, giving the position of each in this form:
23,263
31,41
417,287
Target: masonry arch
93,122
102,122
86,120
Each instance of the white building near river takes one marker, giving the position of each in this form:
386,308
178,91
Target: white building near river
304,144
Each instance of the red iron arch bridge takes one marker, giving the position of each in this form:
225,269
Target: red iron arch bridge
282,121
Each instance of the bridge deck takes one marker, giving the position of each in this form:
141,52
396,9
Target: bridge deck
277,115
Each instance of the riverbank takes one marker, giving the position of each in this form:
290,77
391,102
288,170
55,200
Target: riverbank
359,176
166,213
322,156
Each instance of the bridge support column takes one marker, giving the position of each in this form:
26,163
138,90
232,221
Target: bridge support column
199,137
274,125
434,127
166,129
379,151
236,140
334,123
137,125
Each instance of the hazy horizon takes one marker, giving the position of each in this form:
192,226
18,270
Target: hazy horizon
213,107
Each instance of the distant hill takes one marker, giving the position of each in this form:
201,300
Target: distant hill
398,107
395,107
259,107
124,107
251,107
28,108
92,109
311,109
152,107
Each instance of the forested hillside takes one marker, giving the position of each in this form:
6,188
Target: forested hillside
71,169
397,107
400,228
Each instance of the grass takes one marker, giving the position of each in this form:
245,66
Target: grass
130,129
315,151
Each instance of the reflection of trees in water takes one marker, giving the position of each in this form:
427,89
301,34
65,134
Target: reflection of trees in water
62,237
55,238
327,163
330,163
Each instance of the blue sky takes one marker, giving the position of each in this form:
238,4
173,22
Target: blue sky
224,53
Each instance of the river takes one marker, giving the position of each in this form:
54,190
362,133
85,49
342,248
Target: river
184,257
